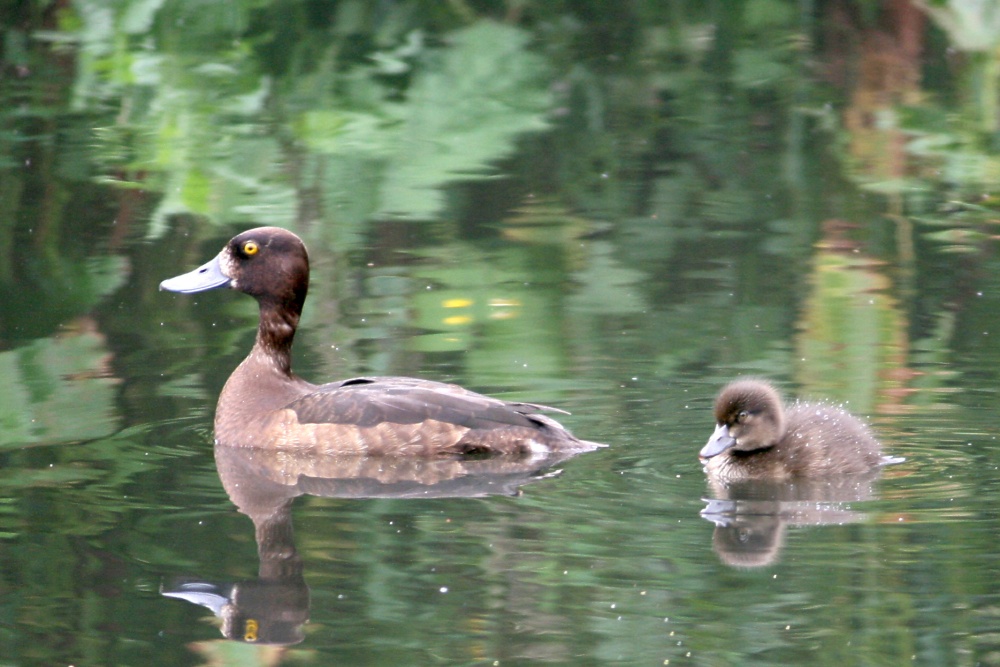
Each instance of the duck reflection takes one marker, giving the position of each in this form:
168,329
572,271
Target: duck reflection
263,484
750,516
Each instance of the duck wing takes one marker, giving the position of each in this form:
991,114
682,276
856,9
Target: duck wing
370,401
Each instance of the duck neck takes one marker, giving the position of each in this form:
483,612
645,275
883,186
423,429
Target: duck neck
276,332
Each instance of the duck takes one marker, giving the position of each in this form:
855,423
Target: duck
758,436
265,405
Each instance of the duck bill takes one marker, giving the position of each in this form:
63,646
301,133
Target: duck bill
718,443
205,277
206,594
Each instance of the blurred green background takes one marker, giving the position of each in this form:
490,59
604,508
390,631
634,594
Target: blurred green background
613,207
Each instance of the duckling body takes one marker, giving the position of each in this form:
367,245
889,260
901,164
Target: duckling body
264,404
758,437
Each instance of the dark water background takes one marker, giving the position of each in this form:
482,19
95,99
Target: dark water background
609,207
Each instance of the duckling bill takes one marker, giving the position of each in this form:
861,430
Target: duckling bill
757,436
264,404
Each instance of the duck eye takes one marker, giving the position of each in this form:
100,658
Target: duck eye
250,248
743,415
251,628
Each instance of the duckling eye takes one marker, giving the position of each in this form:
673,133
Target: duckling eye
250,248
743,415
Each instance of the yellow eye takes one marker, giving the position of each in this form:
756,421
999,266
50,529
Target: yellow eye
250,248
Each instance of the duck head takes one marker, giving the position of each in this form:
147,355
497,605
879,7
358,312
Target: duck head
268,263
748,417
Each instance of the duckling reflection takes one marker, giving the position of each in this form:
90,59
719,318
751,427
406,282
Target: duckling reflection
263,484
751,516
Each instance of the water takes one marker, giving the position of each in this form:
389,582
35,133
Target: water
619,221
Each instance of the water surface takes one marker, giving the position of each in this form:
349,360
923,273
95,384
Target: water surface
611,212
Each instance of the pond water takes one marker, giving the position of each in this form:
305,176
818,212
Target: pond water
612,211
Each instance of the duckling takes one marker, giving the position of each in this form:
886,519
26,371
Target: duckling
758,437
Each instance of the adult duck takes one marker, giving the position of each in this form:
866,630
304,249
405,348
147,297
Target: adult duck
264,404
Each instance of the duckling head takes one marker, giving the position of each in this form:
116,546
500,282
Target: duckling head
748,417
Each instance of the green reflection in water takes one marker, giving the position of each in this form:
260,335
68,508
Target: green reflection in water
203,122
701,143
852,341
57,390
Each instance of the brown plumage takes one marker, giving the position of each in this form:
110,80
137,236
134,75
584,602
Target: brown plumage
265,405
758,437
